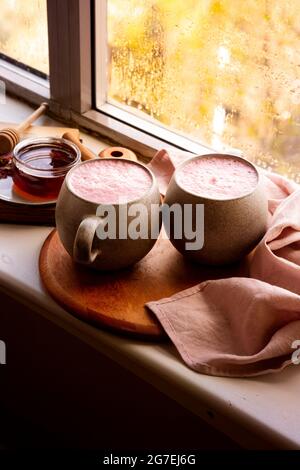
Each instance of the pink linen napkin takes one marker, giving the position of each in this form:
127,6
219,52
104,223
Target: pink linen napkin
241,326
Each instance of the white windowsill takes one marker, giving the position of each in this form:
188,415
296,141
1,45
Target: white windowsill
263,408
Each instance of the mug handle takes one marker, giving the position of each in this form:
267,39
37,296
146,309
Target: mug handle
83,251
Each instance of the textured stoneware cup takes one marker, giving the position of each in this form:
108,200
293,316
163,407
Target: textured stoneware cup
77,222
232,227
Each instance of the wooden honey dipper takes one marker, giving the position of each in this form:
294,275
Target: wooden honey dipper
9,137
86,154
118,152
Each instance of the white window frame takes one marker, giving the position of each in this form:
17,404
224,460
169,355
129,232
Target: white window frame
22,83
76,92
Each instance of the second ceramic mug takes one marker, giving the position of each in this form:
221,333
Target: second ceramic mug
77,220
231,227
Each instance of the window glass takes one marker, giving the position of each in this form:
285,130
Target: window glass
223,72
23,32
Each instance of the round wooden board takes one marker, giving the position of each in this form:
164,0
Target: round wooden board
117,299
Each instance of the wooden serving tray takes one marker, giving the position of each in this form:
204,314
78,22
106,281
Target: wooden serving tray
23,214
116,300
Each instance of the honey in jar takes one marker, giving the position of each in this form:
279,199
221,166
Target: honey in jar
40,166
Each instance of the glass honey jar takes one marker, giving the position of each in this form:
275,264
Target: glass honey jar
40,165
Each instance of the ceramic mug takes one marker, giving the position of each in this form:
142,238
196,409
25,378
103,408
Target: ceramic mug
78,223
231,227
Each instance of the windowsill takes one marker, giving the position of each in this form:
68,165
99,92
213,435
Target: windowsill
262,410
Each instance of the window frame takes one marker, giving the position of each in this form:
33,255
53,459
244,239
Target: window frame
24,84
74,73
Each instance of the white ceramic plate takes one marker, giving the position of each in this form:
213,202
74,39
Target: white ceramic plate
7,193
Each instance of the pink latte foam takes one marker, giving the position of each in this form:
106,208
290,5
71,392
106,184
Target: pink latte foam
217,177
110,181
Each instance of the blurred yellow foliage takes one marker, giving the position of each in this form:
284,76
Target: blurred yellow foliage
221,72
24,32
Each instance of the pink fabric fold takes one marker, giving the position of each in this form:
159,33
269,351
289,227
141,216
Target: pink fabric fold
242,326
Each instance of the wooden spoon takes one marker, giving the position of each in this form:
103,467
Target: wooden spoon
9,137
